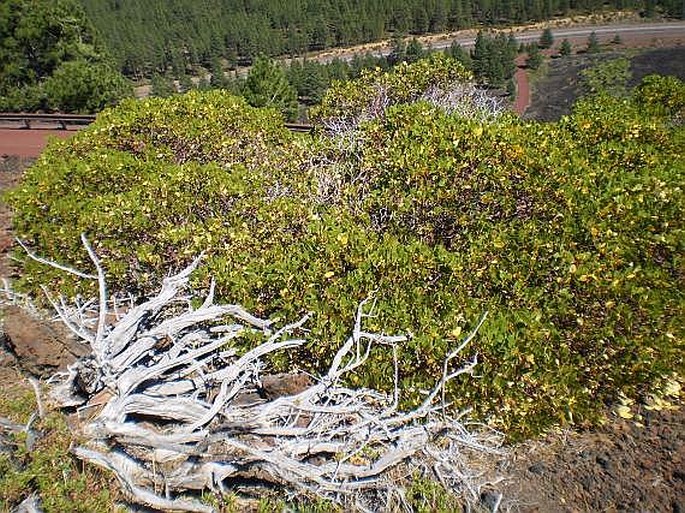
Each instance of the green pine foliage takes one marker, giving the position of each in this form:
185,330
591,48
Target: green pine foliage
546,39
267,86
51,60
148,36
456,52
565,48
593,45
493,58
83,87
534,59
570,234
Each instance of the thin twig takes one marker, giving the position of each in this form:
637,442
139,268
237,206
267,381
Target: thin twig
50,263
39,400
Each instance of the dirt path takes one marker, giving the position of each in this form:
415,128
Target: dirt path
522,86
27,143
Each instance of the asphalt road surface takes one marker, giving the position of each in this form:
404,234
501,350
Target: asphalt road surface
663,30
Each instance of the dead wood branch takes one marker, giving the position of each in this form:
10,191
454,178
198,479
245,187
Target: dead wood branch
163,395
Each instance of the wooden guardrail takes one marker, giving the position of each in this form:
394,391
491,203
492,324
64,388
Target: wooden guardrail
298,127
62,120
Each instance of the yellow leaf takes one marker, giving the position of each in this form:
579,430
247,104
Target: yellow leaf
329,274
672,388
624,412
456,332
656,404
626,401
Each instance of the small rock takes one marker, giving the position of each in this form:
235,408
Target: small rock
40,348
280,385
538,468
490,500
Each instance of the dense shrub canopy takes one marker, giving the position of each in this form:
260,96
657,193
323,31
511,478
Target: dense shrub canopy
349,101
570,234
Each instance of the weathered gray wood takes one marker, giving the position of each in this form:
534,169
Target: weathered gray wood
164,412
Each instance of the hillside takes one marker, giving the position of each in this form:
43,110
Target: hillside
148,36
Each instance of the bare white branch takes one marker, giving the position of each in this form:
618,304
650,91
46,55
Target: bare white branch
50,263
172,405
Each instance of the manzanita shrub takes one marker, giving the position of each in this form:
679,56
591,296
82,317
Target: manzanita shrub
375,90
570,234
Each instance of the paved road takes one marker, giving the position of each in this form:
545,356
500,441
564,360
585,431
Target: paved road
662,30
665,30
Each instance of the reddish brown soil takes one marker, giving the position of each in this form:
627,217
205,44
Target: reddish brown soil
27,143
522,87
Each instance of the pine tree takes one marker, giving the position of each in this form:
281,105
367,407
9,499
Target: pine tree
218,78
398,52
267,86
565,48
50,58
546,39
459,54
534,59
314,83
414,50
481,54
593,43
338,69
